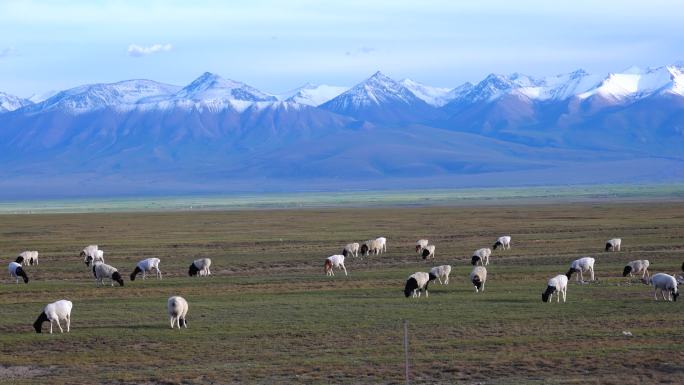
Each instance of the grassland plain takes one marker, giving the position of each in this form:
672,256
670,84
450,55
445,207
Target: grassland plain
268,314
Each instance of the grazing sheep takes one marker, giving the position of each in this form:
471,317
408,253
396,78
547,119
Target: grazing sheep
640,266
370,246
93,256
478,277
504,242
421,244
101,271
381,243
336,261
558,285
428,251
88,251
580,266
178,311
481,256
664,283
417,282
351,249
200,267
16,271
145,266
441,272
30,257
59,310
613,244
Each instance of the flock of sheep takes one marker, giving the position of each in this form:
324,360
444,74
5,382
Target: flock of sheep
415,284
418,282
93,257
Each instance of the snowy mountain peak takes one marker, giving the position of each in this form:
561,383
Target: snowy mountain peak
10,102
374,91
212,87
313,95
435,96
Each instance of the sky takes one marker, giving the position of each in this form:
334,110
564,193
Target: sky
279,45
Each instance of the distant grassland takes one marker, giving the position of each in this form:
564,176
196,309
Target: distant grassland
268,314
451,197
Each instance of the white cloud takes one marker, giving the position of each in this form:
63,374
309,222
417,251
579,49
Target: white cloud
138,50
7,52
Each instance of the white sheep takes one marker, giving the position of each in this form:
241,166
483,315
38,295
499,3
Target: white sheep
351,249
640,266
336,261
178,311
30,257
16,271
664,283
145,266
581,266
558,285
101,271
428,251
381,244
504,242
371,246
418,282
481,256
200,267
478,277
442,273
92,254
53,312
421,244
613,244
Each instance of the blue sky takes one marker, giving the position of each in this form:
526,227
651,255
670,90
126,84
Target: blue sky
279,45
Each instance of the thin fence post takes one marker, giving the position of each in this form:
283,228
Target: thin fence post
406,354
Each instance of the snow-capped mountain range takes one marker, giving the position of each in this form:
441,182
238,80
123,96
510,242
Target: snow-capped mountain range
517,128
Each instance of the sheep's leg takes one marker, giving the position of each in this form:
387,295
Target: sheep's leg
663,292
426,293
171,321
159,274
440,280
345,269
144,275
446,280
68,322
50,326
59,326
564,294
592,274
655,294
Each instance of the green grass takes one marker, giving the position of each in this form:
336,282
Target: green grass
268,314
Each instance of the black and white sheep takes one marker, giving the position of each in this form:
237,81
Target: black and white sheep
666,284
613,244
178,311
16,271
101,271
30,257
580,266
418,282
428,252
336,261
504,242
442,273
370,246
92,254
381,244
478,276
481,256
54,312
640,266
200,267
146,266
558,285
351,249
421,244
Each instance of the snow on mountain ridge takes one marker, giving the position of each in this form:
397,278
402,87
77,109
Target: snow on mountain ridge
435,96
213,87
313,95
10,102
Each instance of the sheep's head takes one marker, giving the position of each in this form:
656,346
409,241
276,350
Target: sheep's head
327,266
475,260
39,322
19,260
626,271
431,277
135,272
675,294
570,272
426,253
117,277
364,249
418,247
411,285
609,246
546,296
193,270
21,273
497,244
88,260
